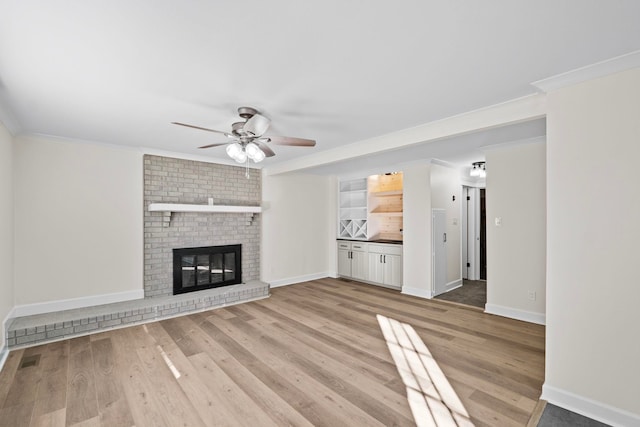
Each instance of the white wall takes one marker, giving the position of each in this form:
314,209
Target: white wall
516,250
78,220
6,230
298,228
593,196
445,184
416,251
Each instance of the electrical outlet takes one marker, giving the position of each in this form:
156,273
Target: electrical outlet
532,295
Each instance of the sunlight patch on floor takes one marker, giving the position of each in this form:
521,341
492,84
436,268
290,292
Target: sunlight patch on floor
432,400
165,357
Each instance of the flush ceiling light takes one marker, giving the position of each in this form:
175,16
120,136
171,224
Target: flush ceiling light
478,170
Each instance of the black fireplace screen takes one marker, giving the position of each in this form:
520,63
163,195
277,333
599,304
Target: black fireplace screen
207,267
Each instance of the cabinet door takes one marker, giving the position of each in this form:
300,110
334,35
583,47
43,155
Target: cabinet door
359,265
392,270
344,263
376,268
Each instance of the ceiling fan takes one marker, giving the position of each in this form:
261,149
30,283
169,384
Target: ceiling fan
246,140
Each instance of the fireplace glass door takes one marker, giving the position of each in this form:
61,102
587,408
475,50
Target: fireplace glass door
207,267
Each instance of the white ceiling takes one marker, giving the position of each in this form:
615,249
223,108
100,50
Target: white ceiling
338,72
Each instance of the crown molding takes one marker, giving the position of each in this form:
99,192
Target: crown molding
589,72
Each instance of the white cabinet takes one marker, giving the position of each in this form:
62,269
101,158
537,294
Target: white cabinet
352,209
379,264
385,264
344,259
359,261
352,260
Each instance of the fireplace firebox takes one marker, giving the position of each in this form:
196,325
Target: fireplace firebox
206,267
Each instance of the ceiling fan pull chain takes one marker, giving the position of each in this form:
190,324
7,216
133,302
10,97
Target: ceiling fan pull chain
246,172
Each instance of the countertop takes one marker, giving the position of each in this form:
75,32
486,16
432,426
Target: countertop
387,241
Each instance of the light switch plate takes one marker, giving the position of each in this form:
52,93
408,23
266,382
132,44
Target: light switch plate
498,221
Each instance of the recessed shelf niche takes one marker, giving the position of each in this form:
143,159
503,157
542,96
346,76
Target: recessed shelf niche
385,206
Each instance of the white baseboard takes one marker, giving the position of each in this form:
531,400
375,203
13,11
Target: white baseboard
297,279
4,350
426,293
453,285
589,408
68,304
512,313
417,292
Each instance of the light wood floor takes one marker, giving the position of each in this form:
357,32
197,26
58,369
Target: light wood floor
312,354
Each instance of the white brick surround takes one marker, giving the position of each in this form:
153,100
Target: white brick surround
169,180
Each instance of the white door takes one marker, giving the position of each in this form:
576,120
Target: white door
439,250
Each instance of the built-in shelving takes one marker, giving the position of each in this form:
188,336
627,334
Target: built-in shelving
371,208
385,206
352,209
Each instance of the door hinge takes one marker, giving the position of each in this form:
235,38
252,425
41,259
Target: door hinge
468,264
468,197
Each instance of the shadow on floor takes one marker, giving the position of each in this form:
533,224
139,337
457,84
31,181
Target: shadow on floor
472,292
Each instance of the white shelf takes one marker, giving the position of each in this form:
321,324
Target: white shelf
178,207
386,213
387,193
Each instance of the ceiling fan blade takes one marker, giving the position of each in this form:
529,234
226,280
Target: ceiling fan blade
215,145
265,149
228,135
257,124
287,140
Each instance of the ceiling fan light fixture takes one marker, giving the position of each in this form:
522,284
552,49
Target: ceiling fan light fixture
247,140
259,156
241,157
251,149
234,149
254,152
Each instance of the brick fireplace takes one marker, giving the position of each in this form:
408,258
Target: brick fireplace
169,180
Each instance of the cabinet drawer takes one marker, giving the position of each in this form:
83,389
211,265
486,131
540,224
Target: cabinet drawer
385,249
359,247
344,245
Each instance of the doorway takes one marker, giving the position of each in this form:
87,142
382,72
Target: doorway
474,250
474,234
483,235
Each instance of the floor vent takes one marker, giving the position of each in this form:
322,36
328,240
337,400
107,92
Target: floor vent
29,361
